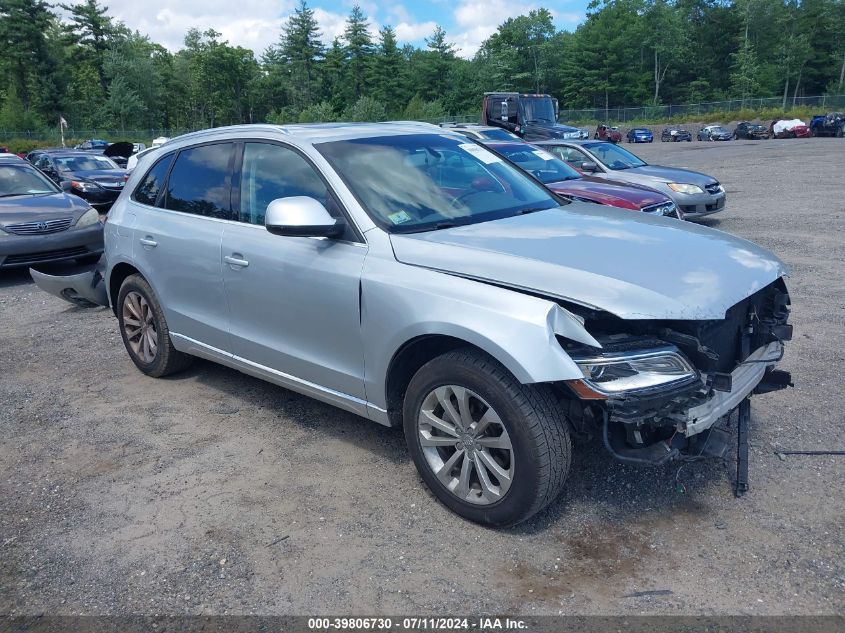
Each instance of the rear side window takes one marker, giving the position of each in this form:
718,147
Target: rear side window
147,192
200,182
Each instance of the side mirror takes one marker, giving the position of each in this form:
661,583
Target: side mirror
589,166
301,216
66,186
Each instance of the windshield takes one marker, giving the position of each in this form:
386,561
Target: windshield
22,180
718,129
538,109
498,135
613,157
537,162
421,182
83,163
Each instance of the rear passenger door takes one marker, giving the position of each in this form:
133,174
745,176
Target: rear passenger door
293,301
177,235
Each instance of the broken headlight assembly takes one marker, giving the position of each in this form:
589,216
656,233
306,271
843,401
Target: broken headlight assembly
616,374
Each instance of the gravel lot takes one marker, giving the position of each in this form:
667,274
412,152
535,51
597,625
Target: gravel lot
213,492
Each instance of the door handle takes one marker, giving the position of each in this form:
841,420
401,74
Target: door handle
148,241
236,259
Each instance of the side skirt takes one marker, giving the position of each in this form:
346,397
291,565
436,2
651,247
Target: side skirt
318,392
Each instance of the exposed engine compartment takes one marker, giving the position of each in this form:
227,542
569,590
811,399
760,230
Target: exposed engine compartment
653,425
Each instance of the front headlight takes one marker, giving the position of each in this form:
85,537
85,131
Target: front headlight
83,185
88,218
633,371
3,233
681,187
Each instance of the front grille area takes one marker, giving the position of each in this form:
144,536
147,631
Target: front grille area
45,256
41,227
713,188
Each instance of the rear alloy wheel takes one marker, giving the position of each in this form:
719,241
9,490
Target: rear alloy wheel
491,449
144,330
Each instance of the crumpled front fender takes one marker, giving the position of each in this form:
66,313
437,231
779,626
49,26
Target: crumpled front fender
517,329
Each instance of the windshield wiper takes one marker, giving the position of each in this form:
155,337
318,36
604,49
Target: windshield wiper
531,210
11,195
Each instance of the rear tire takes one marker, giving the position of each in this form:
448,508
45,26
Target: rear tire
496,417
144,330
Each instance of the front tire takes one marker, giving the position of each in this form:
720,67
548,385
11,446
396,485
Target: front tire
491,449
144,330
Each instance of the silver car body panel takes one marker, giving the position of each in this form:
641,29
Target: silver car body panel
632,265
496,285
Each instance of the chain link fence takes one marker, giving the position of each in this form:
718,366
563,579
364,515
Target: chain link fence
824,103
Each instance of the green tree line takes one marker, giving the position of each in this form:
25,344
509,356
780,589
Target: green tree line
97,73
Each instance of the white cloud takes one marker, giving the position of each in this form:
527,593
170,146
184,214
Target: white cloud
414,31
478,20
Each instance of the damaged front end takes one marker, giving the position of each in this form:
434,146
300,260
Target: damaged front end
656,389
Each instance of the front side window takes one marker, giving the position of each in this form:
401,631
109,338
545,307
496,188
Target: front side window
421,182
614,157
147,192
271,172
200,182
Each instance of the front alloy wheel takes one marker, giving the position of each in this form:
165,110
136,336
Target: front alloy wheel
465,444
491,449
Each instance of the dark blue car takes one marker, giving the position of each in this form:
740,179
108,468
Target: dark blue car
640,135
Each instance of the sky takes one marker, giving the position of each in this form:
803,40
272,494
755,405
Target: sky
256,24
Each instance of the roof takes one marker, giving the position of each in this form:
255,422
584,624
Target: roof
313,132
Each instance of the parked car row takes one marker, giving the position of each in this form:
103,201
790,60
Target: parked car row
438,284
602,173
832,124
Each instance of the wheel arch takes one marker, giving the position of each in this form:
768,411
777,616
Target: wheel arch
418,351
117,276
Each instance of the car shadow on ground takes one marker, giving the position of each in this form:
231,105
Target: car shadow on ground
14,277
624,492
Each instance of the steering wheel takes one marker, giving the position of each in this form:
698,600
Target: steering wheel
460,198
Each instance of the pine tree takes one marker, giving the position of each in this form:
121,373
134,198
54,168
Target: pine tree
387,67
91,30
301,51
359,54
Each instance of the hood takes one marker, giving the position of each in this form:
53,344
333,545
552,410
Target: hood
544,131
34,208
632,265
605,192
669,174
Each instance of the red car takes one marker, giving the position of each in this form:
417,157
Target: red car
799,130
607,133
563,179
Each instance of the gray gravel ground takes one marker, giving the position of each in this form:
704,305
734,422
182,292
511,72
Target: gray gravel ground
125,494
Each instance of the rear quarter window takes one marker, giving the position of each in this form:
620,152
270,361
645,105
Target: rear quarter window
200,182
147,192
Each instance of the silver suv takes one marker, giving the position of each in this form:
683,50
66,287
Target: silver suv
415,278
